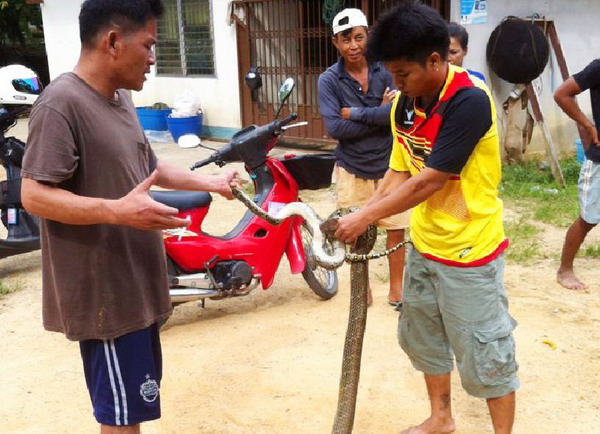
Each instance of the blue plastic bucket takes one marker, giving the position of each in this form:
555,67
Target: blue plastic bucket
580,151
180,126
153,119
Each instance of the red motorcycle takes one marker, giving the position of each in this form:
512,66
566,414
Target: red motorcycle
204,266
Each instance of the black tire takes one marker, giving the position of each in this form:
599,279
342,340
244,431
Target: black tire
323,282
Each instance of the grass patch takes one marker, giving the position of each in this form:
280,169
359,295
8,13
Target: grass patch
8,288
591,251
531,185
383,277
248,189
524,241
381,240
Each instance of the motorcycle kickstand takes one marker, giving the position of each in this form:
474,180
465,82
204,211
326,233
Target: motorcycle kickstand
207,265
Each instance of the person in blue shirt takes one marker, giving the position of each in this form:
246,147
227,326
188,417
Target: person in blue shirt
459,45
354,98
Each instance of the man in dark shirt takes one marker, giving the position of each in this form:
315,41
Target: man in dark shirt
589,177
86,172
354,98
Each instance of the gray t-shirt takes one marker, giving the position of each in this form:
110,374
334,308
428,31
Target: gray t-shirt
99,281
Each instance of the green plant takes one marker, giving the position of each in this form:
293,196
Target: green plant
530,185
381,240
15,18
13,286
591,251
524,242
560,209
383,277
248,189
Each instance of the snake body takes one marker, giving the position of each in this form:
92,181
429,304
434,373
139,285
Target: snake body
357,319
330,261
324,259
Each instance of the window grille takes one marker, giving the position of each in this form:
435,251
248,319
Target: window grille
184,45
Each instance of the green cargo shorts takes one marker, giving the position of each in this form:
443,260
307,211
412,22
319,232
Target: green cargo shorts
453,312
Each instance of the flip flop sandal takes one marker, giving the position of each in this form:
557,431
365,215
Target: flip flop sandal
397,305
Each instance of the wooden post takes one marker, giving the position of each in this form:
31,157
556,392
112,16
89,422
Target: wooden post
244,61
550,148
549,28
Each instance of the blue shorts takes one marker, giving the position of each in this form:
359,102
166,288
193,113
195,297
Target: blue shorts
123,376
589,192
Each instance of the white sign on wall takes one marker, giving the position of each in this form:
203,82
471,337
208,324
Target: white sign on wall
473,11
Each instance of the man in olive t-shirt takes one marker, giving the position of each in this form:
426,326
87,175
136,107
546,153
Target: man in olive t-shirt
87,171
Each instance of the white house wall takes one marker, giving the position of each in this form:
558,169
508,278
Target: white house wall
61,34
218,95
576,23
577,26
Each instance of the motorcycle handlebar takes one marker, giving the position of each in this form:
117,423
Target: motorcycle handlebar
235,150
204,162
290,118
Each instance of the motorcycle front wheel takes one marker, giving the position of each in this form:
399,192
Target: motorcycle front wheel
323,282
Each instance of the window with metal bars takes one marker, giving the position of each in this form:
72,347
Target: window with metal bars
184,44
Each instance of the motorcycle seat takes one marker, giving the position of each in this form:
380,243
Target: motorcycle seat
182,200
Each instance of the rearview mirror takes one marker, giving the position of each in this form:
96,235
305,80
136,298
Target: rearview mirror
286,89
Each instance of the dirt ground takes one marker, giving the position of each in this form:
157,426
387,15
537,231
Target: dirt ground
270,362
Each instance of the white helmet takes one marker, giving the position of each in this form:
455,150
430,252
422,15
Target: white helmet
19,85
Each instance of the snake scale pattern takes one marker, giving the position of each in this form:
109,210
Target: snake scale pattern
355,332
357,319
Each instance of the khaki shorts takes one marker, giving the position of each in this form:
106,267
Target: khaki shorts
355,191
450,312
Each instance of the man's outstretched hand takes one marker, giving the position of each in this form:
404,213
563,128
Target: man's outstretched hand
138,210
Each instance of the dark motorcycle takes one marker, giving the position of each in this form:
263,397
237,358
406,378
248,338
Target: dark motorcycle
23,234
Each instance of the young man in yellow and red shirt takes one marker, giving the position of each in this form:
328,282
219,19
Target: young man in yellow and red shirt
445,164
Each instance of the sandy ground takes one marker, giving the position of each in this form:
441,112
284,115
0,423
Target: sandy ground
270,362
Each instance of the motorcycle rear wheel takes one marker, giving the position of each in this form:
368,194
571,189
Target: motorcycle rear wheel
323,282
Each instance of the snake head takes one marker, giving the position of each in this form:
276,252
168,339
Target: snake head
363,244
329,226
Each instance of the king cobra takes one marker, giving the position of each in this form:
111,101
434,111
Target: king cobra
357,319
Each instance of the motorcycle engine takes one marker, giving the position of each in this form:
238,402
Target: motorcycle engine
232,274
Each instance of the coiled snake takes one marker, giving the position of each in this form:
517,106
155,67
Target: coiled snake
357,319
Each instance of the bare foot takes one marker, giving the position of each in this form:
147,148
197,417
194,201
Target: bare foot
568,279
393,297
432,426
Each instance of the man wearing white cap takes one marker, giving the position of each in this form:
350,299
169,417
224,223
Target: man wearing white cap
354,97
